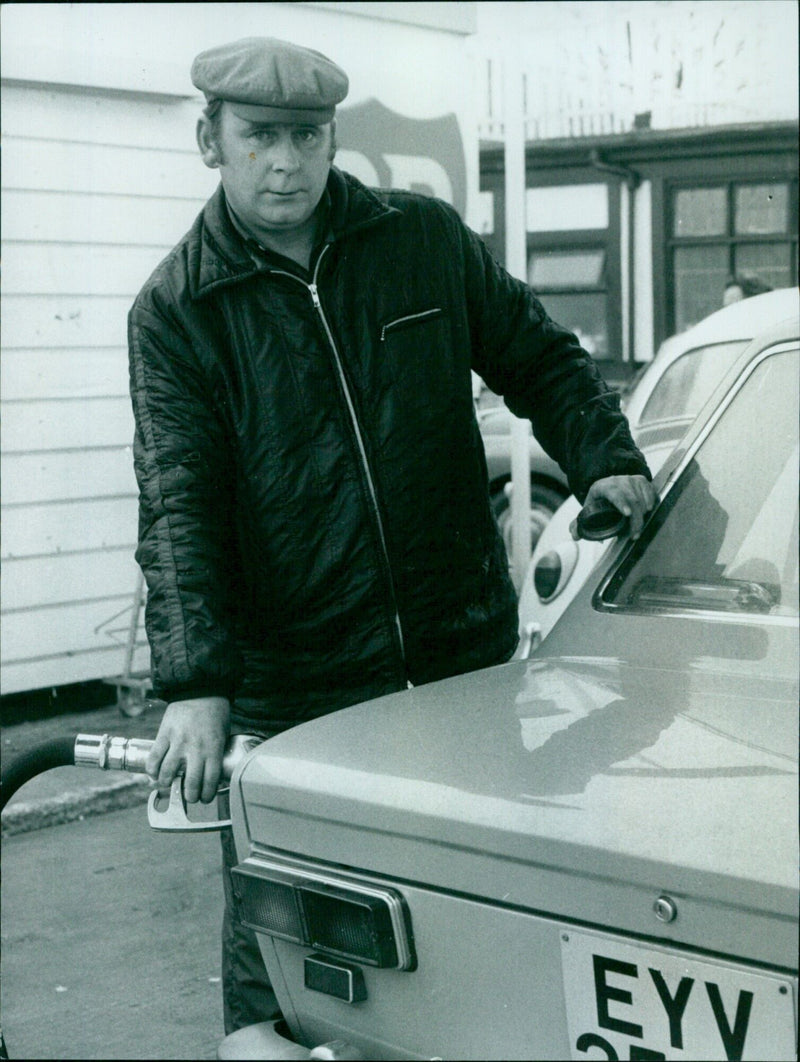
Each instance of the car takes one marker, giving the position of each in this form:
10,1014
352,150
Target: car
591,853
660,404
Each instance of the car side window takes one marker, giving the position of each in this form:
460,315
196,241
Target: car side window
689,381
726,536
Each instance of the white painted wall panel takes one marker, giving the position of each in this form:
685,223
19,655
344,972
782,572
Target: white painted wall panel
67,527
67,424
104,168
64,373
100,118
60,321
74,627
61,476
75,217
71,269
66,667
84,226
33,582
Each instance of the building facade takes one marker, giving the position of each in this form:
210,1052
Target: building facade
632,237
661,158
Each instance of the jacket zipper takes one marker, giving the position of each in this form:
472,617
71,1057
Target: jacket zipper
407,320
312,287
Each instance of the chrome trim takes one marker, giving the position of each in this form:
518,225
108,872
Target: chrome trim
781,347
258,865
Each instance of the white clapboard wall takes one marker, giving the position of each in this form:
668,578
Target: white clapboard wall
97,187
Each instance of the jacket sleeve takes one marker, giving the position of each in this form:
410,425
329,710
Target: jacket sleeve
186,550
544,374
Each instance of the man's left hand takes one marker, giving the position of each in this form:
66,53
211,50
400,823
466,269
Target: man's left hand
634,496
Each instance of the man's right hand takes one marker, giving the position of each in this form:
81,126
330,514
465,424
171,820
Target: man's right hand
191,740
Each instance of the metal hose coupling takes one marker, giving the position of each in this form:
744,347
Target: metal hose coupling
112,753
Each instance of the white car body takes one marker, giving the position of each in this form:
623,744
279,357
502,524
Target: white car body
660,407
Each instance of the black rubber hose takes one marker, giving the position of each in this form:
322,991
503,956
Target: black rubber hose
57,752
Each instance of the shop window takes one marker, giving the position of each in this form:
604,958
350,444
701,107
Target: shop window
571,283
728,228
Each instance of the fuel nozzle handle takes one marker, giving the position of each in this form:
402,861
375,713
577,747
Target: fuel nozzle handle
130,754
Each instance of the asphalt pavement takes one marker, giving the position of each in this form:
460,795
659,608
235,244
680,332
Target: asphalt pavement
69,794
111,941
110,930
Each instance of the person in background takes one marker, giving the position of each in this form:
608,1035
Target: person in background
315,525
743,286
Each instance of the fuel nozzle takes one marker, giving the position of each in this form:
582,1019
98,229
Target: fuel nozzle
130,755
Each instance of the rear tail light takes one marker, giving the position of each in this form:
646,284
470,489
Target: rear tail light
270,906
349,926
352,920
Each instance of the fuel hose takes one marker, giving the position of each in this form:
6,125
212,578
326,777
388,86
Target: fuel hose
57,752
96,750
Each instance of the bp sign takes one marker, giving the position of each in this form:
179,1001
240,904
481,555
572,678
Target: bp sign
388,150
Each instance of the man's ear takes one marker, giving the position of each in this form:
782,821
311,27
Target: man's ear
206,141
332,151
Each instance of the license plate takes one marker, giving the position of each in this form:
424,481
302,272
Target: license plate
626,1001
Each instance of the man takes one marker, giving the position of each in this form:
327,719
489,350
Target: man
743,286
315,525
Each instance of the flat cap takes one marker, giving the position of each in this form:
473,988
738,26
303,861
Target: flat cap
261,75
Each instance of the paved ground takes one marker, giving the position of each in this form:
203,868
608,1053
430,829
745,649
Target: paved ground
67,794
110,942
110,930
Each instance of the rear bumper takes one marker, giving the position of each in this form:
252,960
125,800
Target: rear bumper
262,1041
269,1040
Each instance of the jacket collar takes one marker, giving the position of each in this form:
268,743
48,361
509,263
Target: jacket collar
218,254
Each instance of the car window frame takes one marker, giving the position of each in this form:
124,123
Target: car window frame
633,550
702,350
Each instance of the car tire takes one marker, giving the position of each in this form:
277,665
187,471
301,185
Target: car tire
544,502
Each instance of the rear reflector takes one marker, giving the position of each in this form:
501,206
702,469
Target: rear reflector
335,978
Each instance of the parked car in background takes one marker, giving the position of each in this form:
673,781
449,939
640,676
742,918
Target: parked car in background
661,404
588,854
548,483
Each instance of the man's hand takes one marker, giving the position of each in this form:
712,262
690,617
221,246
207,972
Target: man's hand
634,496
191,739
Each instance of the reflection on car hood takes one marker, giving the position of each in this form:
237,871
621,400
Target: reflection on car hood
572,786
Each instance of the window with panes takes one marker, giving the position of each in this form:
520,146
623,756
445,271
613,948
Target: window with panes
571,281
726,228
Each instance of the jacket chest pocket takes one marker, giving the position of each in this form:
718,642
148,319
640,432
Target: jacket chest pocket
419,354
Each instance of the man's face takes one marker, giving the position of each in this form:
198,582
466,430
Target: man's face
733,293
273,173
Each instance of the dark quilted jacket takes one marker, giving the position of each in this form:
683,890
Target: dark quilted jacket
314,520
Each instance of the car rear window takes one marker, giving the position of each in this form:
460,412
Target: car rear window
689,381
726,536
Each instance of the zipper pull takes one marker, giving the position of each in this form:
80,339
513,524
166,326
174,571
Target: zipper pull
314,295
